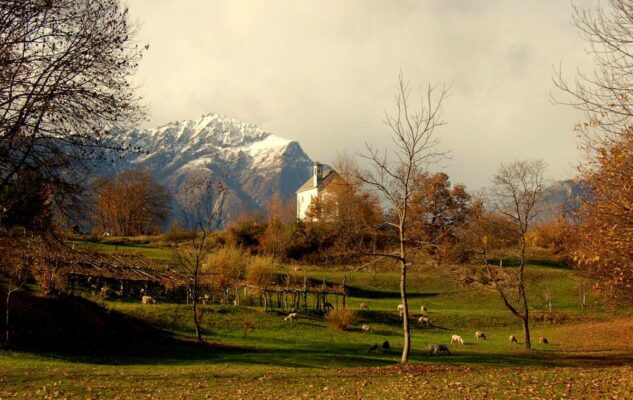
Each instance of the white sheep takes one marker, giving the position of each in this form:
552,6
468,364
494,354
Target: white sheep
291,317
457,339
147,300
365,328
423,310
480,335
543,340
363,306
513,339
424,321
400,308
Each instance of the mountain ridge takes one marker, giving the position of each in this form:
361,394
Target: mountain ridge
253,163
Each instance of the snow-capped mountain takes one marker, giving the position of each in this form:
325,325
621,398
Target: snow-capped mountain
255,164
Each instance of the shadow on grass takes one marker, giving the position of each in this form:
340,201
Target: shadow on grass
383,294
548,263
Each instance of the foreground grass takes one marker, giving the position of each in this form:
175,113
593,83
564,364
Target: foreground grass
29,378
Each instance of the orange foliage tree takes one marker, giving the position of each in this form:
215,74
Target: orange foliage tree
437,211
346,216
604,246
130,203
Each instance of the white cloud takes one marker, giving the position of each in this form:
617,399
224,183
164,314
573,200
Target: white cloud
324,72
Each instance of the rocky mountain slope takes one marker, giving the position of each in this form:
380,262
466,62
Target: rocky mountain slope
255,164
561,197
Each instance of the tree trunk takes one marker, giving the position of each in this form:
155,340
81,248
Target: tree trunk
523,294
525,319
526,332
6,338
196,322
405,316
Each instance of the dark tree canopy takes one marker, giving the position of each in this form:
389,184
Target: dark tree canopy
65,69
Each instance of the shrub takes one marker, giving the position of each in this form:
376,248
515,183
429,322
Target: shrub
226,267
261,271
341,318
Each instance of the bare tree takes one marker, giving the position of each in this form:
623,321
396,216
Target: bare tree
65,69
413,134
606,94
201,203
517,192
15,260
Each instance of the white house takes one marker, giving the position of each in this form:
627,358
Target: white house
311,189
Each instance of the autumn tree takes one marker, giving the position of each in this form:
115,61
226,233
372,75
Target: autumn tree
278,233
201,209
65,69
438,209
603,249
345,214
484,233
130,203
517,193
393,177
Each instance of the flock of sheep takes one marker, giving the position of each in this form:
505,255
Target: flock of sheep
424,320
433,349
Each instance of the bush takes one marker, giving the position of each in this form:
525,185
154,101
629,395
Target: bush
226,266
341,319
261,271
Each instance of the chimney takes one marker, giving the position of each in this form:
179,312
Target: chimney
317,173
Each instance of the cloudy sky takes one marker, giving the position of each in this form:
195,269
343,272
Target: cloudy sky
324,72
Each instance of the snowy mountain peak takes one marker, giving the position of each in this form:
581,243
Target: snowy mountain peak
216,129
255,163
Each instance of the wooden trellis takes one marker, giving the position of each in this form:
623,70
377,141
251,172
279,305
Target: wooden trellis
314,298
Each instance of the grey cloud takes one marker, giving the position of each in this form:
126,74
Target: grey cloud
324,72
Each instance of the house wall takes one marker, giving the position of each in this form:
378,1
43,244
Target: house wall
303,201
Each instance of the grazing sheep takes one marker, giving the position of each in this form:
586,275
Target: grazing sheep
373,348
513,339
423,310
436,349
457,339
424,321
363,306
147,300
291,317
480,335
365,328
543,340
400,308
386,347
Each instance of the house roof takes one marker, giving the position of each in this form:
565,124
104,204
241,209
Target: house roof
310,182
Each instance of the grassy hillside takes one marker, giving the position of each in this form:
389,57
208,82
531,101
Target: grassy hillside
277,358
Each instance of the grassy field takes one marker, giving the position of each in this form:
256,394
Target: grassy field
589,356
